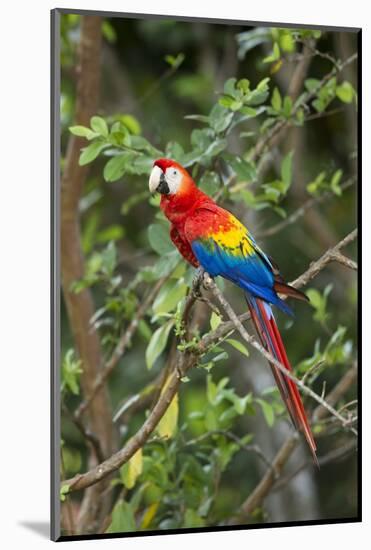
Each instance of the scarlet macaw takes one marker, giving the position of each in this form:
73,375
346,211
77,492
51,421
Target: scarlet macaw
210,237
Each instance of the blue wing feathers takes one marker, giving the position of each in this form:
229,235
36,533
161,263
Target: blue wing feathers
251,273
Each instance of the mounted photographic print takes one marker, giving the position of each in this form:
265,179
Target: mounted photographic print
205,335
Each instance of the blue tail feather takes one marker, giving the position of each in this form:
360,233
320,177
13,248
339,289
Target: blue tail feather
267,294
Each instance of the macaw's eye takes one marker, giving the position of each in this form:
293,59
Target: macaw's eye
174,172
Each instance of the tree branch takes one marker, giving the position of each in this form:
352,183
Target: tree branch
327,257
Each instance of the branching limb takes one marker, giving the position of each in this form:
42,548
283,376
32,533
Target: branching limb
329,256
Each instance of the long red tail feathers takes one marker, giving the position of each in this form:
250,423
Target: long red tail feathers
270,338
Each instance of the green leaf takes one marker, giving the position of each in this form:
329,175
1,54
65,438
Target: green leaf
274,56
71,370
319,105
200,118
123,519
215,320
63,492
175,61
311,84
130,471
287,41
220,118
319,302
159,239
99,125
250,112
263,84
345,92
157,343
287,106
238,346
335,182
314,186
170,294
131,123
163,267
91,152
193,519
211,390
268,411
276,100
175,151
113,232
117,166
250,39
227,101
209,183
109,259
168,423
243,85
108,31
82,131
244,169
300,117
230,86
286,169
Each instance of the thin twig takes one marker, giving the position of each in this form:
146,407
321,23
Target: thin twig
300,212
329,256
332,456
90,437
271,137
230,435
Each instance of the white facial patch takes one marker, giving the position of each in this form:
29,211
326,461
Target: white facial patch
174,179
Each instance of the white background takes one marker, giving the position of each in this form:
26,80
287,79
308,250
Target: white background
24,271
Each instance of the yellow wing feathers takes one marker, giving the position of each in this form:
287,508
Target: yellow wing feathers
233,236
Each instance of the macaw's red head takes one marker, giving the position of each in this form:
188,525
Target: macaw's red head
170,179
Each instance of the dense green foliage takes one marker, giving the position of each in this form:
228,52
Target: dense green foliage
206,96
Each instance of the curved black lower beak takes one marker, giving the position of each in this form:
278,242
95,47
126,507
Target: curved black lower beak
163,187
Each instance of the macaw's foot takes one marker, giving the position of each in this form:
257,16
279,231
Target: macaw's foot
207,280
197,281
201,277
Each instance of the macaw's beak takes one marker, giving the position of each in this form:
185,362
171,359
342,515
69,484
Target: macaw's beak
157,181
